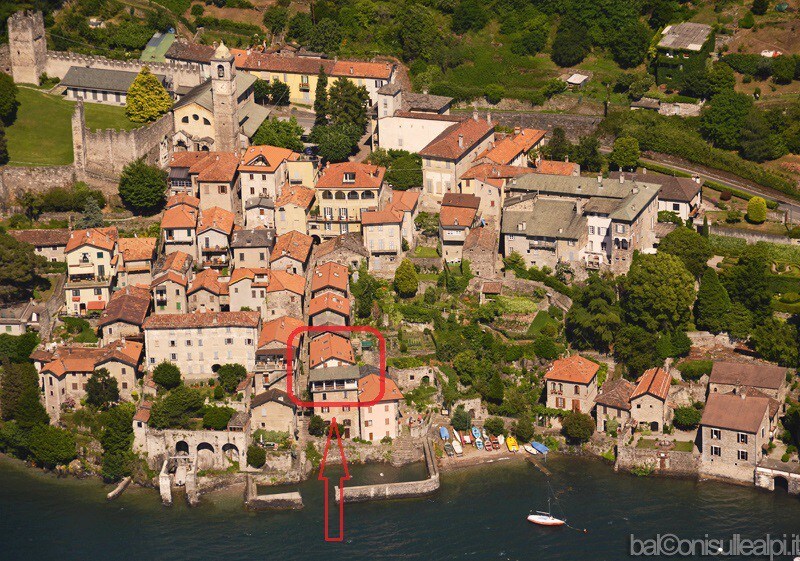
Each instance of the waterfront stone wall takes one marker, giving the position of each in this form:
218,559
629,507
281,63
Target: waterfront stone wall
275,501
663,462
769,471
210,449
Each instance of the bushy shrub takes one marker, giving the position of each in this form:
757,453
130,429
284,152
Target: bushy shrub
216,418
256,456
495,426
687,418
316,426
167,375
695,369
578,427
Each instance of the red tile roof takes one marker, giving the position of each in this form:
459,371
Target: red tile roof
555,167
404,201
143,412
329,346
49,237
293,245
206,319
274,280
573,369
129,305
218,167
208,280
735,412
66,359
179,216
369,388
361,69
446,145
367,176
102,238
655,382
386,216
329,301
216,218
183,199
278,330
495,171
484,237
617,394
330,275
462,200
295,195
453,216
137,249
265,159
750,374
310,66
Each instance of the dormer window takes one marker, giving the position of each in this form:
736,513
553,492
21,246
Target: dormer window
220,71
349,177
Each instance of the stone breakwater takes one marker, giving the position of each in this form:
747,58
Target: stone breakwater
402,490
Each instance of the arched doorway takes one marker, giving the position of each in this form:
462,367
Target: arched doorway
205,455
231,451
654,426
781,483
182,448
426,380
316,240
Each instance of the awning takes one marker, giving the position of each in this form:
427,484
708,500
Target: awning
96,305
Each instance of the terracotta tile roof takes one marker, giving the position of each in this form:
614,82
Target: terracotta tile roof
774,404
361,69
169,276
461,200
683,189
190,52
183,199
174,266
573,369
348,242
752,374
297,195
273,395
735,412
241,273
369,388
96,305
655,382
103,238
367,176
555,167
187,159
457,217
330,275
404,201
446,145
265,159
494,171
484,237
208,280
206,319
329,346
293,245
278,331
142,414
386,216
129,305
66,359
283,280
137,249
289,64
329,301
492,287
503,152
616,393
528,138
216,218
179,216
219,167
52,237
129,352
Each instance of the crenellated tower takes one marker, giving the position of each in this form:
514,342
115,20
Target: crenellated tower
28,46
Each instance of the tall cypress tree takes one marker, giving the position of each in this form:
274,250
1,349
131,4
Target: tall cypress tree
713,304
321,99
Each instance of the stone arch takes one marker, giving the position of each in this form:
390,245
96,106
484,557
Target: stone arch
426,380
654,426
205,455
781,482
352,195
231,451
182,448
327,195
339,195
215,368
316,240
367,195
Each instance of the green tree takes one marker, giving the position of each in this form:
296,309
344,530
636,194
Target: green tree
18,273
760,7
469,15
559,147
534,37
275,19
116,439
776,341
101,389
571,44
167,375
365,292
230,375
625,154
720,78
595,316
783,69
687,418
587,154
327,36
495,426
147,99
713,304
405,172
495,390
301,28
262,90
279,93
256,456
747,284
335,143
347,105
757,210
523,429
739,321
92,216
284,134
635,347
759,141
578,427
216,418
406,282
690,247
461,420
316,426
659,292
30,412
51,446
18,348
321,99
629,46
417,32
3,146
16,379
721,122
8,99
176,409
142,187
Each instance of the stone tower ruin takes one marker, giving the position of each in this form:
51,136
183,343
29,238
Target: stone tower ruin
28,46
223,94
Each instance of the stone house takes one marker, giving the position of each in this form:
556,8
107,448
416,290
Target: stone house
291,253
330,277
382,233
449,155
343,192
197,342
135,258
292,209
727,377
178,229
213,237
259,212
480,249
572,384
649,407
90,269
171,277
733,432
329,309
337,384
207,293
614,403
459,213
489,183
681,195
406,202
330,350
17,319
251,248
273,343
513,150
263,171
50,244
272,293
347,250
125,314
382,419
273,410
405,120
218,182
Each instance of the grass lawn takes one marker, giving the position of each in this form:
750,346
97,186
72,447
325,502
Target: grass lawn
516,304
774,228
684,446
42,133
646,443
424,251
538,323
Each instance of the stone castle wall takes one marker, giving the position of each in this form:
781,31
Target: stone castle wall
15,180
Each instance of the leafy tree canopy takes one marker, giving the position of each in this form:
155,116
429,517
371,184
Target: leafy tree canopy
142,187
147,99
284,134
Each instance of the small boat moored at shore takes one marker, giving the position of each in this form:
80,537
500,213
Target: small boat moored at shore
443,434
465,437
512,445
501,439
476,433
479,444
457,448
529,449
456,436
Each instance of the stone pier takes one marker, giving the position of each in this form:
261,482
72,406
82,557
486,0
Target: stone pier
275,501
769,470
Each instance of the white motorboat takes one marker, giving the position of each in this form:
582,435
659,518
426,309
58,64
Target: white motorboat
529,449
456,436
457,447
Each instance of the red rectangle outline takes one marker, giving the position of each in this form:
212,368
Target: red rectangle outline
327,329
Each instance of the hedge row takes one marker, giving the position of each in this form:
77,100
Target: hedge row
771,204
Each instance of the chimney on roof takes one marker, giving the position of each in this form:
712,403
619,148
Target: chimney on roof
489,117
351,70
566,158
599,179
517,130
475,115
460,140
621,178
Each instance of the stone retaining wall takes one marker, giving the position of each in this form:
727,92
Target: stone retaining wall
15,180
665,462
277,501
751,237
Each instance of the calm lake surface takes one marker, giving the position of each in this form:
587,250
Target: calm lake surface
479,513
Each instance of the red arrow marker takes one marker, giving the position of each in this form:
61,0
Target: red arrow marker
334,429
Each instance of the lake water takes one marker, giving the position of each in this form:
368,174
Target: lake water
479,513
